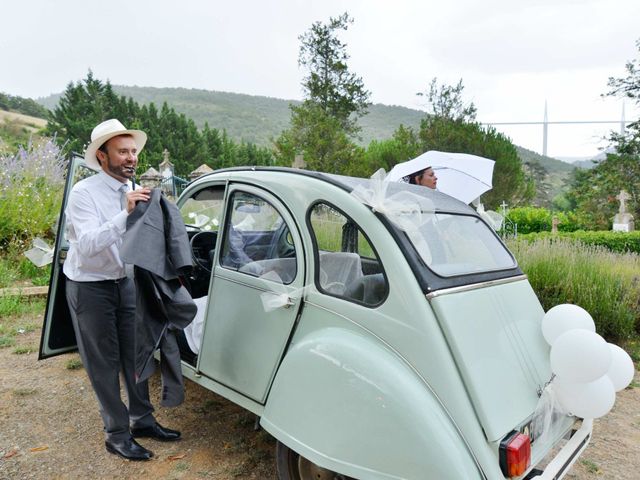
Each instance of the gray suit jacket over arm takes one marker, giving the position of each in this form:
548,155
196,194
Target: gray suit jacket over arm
156,242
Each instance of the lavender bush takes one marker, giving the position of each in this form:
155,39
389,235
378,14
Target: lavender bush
31,185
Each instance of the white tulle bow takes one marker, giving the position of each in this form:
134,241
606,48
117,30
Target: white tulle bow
405,209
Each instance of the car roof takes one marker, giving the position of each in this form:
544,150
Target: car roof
428,280
440,201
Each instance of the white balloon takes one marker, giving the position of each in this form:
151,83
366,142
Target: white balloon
587,400
621,370
580,356
562,318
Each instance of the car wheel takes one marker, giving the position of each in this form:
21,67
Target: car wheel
292,466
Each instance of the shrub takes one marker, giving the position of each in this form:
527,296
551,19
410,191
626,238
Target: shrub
619,242
535,219
530,219
31,184
604,283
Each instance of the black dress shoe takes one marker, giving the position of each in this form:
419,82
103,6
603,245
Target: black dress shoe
156,431
129,449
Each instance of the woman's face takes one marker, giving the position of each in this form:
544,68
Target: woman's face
427,179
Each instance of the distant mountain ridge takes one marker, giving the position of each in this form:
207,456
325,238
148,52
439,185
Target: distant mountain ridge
259,120
253,118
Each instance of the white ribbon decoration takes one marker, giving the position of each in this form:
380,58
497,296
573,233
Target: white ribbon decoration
546,416
406,210
494,219
41,254
277,295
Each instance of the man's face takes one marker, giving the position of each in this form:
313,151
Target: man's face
121,158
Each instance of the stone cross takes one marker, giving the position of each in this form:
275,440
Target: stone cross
554,224
504,208
623,221
623,196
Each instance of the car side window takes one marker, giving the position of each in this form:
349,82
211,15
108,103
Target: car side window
257,241
347,265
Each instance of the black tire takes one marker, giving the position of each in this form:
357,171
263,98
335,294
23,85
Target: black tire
292,466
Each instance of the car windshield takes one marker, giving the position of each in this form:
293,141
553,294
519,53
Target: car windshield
447,234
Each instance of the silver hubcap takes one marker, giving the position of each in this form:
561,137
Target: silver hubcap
311,471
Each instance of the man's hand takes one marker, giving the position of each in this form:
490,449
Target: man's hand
135,196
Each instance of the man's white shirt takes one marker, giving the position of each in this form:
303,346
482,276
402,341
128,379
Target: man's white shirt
96,223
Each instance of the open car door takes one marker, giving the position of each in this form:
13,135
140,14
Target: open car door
57,330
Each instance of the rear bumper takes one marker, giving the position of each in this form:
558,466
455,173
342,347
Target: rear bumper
558,467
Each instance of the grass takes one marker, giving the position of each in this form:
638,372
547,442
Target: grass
24,392
15,268
633,349
73,364
14,314
182,467
590,466
16,305
6,341
24,350
328,229
605,284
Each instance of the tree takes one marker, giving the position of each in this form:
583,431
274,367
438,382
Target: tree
450,126
26,106
593,192
329,84
322,126
446,101
81,107
322,141
89,102
387,153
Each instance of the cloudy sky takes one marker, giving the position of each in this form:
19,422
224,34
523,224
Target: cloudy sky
512,55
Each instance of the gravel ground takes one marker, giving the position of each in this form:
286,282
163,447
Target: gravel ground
50,429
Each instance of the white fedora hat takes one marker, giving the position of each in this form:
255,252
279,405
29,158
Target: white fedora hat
105,131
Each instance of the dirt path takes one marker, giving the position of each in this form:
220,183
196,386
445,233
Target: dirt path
50,429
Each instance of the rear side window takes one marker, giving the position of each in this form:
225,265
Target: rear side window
347,265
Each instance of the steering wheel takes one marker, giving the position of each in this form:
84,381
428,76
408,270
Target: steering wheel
203,246
283,246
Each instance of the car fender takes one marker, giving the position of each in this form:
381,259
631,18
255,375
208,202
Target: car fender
348,403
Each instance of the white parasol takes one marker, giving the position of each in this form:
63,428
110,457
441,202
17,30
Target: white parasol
460,175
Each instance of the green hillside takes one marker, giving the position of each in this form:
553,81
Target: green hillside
551,175
258,120
252,118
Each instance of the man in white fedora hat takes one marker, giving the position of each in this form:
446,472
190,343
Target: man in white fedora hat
101,298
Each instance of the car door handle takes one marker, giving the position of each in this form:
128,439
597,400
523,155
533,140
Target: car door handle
272,301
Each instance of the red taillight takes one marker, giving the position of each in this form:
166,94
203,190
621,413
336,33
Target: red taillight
515,454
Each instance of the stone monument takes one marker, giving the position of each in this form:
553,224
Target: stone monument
167,171
166,167
203,169
623,220
298,161
151,178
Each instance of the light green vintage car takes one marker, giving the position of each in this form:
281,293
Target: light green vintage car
379,331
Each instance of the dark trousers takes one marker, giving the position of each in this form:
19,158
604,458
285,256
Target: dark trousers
103,315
